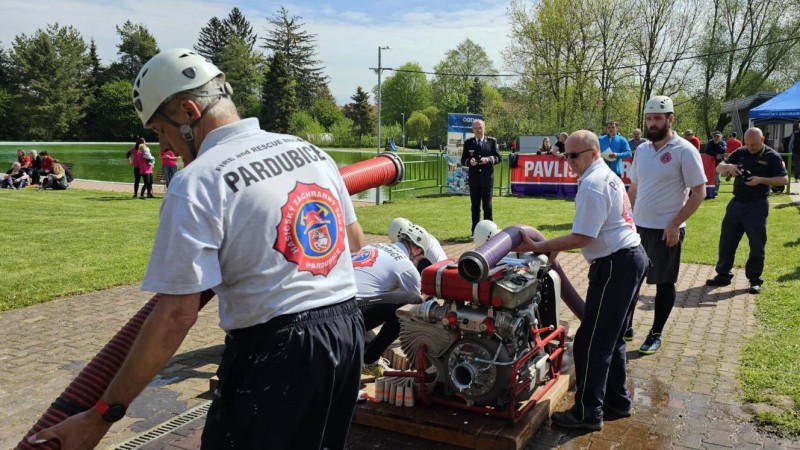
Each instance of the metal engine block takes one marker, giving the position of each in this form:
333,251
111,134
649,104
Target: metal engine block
482,343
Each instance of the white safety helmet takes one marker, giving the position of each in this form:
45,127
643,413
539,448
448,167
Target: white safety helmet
660,104
397,225
416,235
166,74
484,230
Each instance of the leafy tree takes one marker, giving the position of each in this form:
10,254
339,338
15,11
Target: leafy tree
342,132
307,127
454,75
661,41
404,92
212,40
360,112
286,35
215,37
242,67
49,71
418,126
326,112
6,98
136,47
277,96
475,98
115,118
238,25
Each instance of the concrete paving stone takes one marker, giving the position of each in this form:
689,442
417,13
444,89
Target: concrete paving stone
719,437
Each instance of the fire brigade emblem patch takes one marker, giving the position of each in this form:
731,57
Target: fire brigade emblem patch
365,258
311,233
666,157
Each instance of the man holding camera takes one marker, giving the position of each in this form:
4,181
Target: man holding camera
756,167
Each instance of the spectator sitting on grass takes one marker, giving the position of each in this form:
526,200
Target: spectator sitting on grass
56,180
16,178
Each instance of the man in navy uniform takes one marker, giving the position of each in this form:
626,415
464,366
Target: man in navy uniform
756,167
480,155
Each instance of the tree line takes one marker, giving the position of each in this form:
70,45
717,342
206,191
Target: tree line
570,64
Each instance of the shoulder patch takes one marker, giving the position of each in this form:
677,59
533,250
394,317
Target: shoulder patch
311,232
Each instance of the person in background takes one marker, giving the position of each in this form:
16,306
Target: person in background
636,140
562,137
732,144
169,163
793,147
546,148
756,167
604,231
36,166
134,159
663,173
146,163
47,164
618,146
514,145
25,161
480,155
694,140
716,147
16,177
57,180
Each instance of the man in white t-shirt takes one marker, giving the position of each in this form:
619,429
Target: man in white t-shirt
265,221
387,278
604,231
665,170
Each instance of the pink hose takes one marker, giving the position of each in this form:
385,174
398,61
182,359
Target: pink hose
92,381
474,265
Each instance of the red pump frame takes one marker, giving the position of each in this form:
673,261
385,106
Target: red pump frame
511,413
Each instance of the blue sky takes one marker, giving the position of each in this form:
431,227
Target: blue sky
348,32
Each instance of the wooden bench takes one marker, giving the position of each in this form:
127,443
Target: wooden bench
159,177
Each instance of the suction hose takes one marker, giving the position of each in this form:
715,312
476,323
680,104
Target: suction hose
385,169
474,265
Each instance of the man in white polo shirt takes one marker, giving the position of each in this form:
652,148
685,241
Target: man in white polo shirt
605,233
665,170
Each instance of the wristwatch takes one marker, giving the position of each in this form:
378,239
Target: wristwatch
110,413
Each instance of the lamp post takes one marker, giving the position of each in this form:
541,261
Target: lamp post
380,69
404,129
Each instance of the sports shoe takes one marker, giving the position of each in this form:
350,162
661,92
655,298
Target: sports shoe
567,420
754,289
628,335
651,344
718,281
376,369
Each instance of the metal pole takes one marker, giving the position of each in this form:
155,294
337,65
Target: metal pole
403,115
380,69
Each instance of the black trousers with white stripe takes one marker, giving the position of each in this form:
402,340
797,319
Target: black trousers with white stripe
599,350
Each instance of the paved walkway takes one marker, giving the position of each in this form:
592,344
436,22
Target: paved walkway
685,396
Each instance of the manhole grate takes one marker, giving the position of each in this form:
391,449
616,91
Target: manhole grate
165,428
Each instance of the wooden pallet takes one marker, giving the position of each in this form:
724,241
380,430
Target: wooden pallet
460,427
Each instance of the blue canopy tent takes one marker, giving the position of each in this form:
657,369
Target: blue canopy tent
783,107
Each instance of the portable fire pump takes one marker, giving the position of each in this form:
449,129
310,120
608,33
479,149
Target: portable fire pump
491,345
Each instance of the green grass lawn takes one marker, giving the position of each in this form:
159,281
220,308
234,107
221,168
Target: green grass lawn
62,243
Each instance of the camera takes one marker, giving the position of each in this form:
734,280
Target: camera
746,174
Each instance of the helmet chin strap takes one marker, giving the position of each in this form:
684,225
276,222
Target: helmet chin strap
187,129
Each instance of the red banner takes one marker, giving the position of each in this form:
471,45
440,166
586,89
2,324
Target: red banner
550,176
